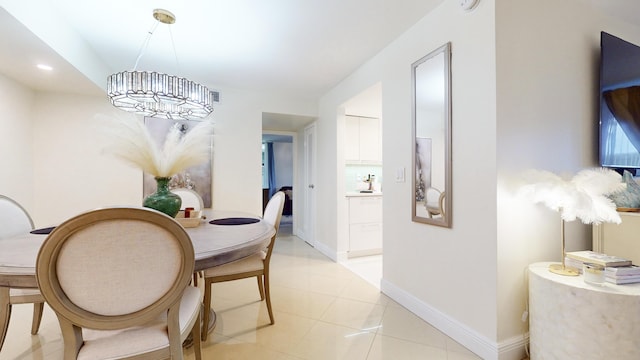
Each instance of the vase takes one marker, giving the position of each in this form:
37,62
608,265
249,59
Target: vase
163,200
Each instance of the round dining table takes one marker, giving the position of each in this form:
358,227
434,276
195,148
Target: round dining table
213,245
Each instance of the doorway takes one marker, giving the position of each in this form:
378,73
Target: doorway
278,173
288,128
361,244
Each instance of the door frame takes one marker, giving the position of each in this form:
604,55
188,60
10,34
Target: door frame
309,181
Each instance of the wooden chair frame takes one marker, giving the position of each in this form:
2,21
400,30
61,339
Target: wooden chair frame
73,318
21,296
261,275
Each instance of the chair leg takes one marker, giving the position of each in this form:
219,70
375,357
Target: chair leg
268,296
196,335
260,287
206,310
37,317
5,313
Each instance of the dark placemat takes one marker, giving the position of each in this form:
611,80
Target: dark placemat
43,231
234,221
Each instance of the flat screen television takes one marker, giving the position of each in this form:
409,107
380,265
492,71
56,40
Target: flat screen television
619,146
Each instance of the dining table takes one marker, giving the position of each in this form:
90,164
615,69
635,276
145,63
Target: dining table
220,237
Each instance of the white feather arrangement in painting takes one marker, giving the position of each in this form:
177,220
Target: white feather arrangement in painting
584,197
132,142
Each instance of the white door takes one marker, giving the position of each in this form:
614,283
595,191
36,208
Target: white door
308,226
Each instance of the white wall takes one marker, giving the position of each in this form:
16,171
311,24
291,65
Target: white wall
16,144
283,157
524,95
58,167
72,174
446,275
549,121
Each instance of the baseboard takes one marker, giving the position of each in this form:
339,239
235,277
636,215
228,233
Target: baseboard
511,349
326,251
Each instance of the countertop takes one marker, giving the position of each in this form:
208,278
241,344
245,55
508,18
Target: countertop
359,194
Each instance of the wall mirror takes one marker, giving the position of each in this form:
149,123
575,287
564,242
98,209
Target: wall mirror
431,137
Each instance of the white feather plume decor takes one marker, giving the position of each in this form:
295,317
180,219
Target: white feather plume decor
132,142
583,197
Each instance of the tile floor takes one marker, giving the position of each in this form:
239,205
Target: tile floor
322,309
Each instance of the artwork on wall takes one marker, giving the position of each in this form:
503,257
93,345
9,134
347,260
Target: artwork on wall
196,178
423,166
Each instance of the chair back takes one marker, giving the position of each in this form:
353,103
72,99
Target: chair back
441,203
432,197
189,198
14,219
273,215
115,268
273,210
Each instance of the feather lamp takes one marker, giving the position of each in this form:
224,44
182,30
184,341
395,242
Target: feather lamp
582,197
132,142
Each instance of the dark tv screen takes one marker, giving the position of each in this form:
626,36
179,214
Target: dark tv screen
619,103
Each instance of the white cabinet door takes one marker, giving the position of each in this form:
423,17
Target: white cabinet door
352,143
365,209
365,225
365,238
370,148
363,142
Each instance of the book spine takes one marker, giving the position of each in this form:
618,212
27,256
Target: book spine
624,270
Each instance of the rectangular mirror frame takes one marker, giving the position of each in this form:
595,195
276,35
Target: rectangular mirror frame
446,202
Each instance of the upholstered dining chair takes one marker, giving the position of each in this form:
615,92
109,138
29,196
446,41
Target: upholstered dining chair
189,198
254,265
432,201
441,202
15,220
118,280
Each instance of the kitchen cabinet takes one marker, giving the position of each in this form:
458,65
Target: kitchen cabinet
363,140
365,225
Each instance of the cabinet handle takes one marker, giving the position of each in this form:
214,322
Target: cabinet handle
311,186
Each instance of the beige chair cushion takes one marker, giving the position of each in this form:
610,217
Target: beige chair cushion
273,210
130,341
249,263
14,219
84,275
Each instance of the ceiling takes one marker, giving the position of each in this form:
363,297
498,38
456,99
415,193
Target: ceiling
299,49
293,48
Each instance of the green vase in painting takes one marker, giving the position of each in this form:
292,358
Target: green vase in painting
163,199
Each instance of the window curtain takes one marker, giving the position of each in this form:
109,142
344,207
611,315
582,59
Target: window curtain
624,103
271,166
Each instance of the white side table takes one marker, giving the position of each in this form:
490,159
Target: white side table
570,319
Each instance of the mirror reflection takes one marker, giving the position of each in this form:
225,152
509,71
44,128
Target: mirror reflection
431,137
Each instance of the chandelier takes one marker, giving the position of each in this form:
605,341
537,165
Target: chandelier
155,94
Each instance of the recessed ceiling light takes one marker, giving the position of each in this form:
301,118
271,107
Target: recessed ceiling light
44,67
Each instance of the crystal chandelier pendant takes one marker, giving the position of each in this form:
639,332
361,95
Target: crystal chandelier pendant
154,94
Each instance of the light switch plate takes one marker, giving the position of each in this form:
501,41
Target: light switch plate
400,175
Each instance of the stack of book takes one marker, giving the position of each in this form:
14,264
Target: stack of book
576,259
622,274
